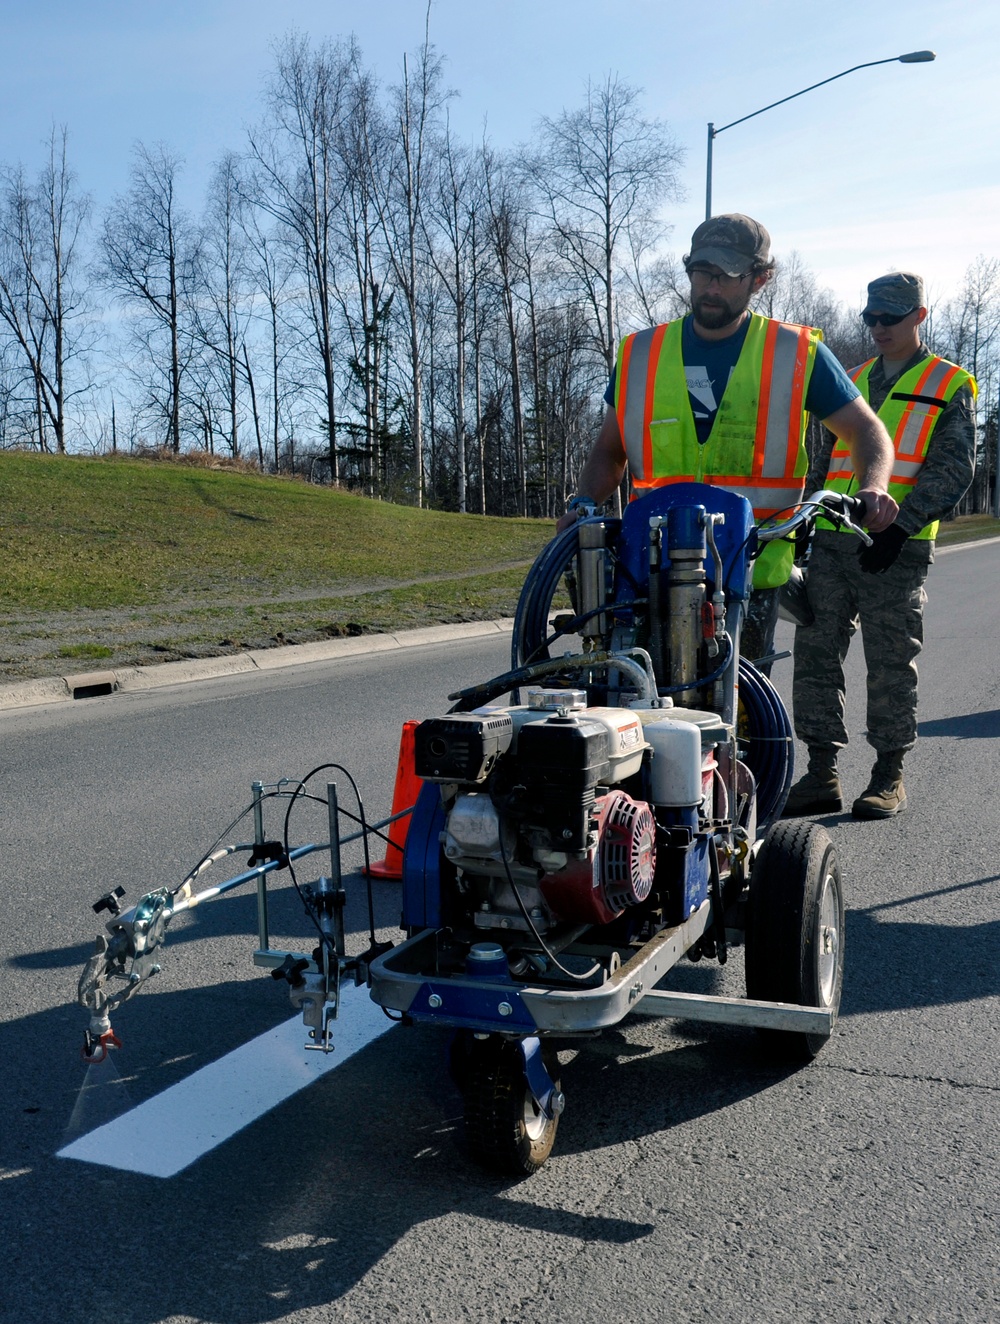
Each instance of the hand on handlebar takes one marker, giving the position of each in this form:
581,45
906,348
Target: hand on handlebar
881,510
579,508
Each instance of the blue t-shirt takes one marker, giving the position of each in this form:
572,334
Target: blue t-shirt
708,365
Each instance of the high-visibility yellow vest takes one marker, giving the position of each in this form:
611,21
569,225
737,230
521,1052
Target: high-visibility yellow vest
756,447
910,412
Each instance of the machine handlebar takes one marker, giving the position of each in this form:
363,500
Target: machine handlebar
846,512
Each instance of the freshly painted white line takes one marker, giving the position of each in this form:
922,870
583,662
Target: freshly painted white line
169,1132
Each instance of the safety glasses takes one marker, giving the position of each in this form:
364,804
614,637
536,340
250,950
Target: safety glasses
703,278
884,319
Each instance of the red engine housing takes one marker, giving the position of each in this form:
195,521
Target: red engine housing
618,870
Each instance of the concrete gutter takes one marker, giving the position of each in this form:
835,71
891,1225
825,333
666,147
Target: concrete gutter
131,680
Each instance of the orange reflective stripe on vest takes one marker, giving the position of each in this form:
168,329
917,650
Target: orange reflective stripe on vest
756,444
914,429
910,412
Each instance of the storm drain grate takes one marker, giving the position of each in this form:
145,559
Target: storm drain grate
93,691
91,684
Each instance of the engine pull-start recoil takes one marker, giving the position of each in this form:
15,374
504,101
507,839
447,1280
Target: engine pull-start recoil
618,869
628,850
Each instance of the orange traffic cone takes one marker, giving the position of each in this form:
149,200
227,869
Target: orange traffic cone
404,796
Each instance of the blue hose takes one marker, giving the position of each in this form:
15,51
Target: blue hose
769,743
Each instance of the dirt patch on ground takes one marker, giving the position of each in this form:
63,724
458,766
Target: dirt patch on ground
36,644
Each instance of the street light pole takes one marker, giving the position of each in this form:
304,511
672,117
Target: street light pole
913,57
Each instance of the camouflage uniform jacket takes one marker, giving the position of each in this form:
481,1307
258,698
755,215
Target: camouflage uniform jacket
947,470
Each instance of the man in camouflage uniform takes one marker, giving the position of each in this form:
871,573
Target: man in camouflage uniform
927,405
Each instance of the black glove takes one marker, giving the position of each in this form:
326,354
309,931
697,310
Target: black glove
886,546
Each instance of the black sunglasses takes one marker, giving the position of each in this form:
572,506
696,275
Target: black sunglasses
883,319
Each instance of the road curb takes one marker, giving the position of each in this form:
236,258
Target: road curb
133,680
963,546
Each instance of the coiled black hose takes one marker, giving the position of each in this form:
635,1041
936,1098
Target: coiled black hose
768,736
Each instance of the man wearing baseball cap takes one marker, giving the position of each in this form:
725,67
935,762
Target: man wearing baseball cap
721,397
927,405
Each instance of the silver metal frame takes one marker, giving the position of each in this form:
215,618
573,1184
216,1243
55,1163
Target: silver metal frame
582,1010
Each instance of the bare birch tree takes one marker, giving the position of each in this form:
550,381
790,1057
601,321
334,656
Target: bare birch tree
299,180
148,255
453,208
969,333
225,290
271,268
366,300
41,299
602,173
417,102
506,213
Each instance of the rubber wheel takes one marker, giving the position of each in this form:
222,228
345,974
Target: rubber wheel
795,929
461,1051
505,1129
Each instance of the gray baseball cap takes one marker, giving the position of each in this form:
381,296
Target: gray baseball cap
898,293
733,242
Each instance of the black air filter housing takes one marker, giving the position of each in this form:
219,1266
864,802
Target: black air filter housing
568,753
462,747
560,761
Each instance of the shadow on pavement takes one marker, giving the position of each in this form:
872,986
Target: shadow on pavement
896,965
287,1215
299,1207
970,726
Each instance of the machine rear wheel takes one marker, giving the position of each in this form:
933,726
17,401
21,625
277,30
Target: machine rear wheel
795,929
504,1126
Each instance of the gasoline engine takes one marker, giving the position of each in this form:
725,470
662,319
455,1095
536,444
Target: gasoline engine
568,811
561,814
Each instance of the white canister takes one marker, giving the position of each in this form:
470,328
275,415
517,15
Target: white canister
676,772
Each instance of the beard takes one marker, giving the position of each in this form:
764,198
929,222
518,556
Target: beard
714,310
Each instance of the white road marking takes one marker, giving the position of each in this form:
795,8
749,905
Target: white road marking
169,1132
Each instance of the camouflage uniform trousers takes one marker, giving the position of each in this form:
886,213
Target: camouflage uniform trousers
889,608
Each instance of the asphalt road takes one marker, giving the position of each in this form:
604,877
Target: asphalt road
690,1180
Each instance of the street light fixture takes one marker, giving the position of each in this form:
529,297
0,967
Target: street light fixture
913,57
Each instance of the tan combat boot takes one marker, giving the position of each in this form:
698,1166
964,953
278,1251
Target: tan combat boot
818,792
884,795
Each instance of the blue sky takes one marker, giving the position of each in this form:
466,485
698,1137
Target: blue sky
896,166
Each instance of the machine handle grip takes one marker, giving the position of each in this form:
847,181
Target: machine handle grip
852,511
853,507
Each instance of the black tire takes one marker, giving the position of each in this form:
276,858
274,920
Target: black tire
795,929
461,1050
504,1127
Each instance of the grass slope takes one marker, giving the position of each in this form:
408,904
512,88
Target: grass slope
120,561
130,561
968,528
101,533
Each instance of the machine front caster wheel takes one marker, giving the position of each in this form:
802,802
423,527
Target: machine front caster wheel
505,1128
795,929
